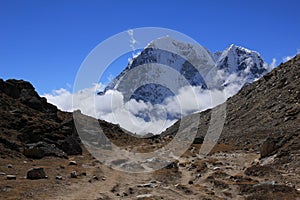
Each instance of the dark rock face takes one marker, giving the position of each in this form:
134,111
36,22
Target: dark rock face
25,92
28,122
10,145
70,145
36,173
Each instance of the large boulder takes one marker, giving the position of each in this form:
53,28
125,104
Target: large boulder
41,149
36,173
268,147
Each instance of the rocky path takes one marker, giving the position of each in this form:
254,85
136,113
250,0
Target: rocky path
222,175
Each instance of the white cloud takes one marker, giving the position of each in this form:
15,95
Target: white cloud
132,40
130,115
62,98
132,43
287,58
273,63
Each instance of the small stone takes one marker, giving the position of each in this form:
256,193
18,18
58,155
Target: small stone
9,166
2,173
144,196
72,162
73,174
103,178
147,185
95,178
36,173
58,177
130,190
216,168
11,177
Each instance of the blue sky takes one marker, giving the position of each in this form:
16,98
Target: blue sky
45,42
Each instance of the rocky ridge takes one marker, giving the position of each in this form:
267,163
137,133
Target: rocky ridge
33,127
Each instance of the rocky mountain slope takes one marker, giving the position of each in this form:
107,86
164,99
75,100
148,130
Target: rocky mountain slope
31,126
263,117
268,107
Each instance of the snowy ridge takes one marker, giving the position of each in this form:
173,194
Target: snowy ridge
246,63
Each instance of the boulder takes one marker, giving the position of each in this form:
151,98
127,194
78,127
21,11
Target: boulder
73,174
72,162
41,149
36,173
144,196
172,165
268,147
198,140
11,177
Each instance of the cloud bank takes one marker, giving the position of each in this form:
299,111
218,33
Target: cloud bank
143,117
131,115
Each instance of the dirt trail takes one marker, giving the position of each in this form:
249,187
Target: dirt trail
218,176
121,185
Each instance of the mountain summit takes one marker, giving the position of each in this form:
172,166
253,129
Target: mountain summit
161,69
244,62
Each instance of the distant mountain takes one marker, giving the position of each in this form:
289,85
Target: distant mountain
153,82
240,60
248,65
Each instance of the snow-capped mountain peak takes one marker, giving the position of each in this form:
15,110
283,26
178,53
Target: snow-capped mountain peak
164,66
150,80
244,62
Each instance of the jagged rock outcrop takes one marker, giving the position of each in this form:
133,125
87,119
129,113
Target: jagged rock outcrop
32,126
26,94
